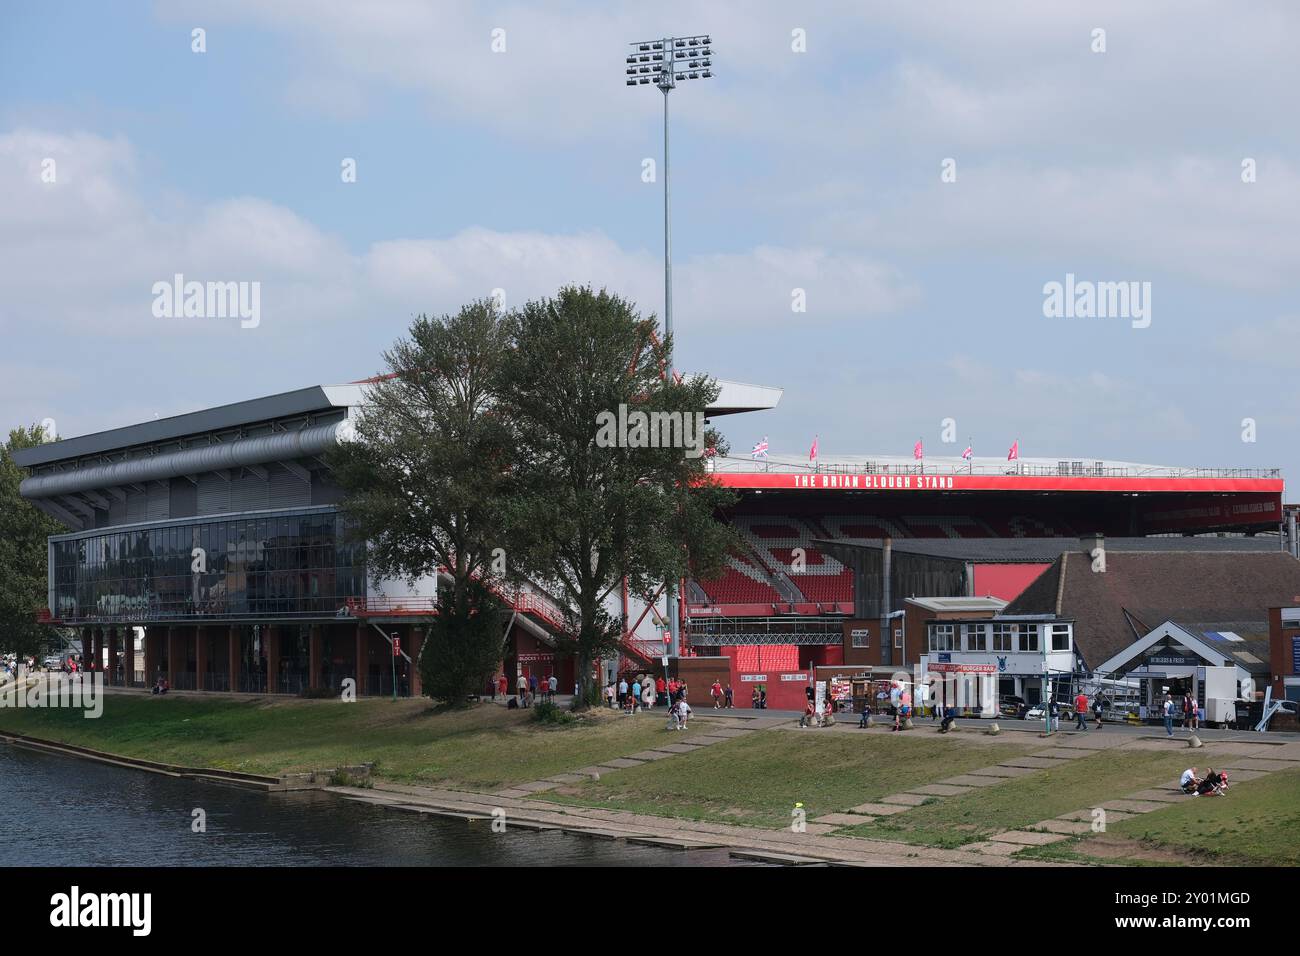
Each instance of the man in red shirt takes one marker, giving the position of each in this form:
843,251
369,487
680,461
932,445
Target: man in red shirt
1081,711
716,693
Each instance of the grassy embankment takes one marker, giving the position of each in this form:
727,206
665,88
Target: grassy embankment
757,779
1257,823
1024,801
484,747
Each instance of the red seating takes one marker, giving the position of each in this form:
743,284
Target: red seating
766,658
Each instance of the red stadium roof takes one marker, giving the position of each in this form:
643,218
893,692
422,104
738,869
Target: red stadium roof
813,481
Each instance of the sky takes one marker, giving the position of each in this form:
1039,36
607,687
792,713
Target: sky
912,174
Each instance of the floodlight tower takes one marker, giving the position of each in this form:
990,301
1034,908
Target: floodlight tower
663,63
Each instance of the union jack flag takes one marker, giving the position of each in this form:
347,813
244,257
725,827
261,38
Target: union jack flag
760,449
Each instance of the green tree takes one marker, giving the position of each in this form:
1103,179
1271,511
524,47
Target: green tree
23,552
462,645
584,514
425,485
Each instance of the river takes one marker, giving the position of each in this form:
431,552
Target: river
63,811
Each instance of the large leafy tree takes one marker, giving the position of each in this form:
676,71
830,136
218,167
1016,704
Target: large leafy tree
23,552
425,485
584,515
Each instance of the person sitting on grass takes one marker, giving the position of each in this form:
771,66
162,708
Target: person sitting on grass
1214,784
1188,782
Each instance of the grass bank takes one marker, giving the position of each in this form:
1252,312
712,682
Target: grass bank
1024,801
1258,822
758,779
483,747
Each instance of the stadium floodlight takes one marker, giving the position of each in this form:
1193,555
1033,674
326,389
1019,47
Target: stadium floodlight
693,50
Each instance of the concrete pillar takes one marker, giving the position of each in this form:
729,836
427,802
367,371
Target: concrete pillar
233,656
363,658
152,640
271,636
128,656
110,669
314,656
173,640
417,641
200,657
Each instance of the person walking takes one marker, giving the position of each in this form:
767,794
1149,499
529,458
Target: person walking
1053,715
622,690
1096,711
521,687
1081,711
1189,711
661,691
730,695
636,694
648,695
716,693
552,686
1169,715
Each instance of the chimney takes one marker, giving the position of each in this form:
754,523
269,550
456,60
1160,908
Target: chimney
1094,546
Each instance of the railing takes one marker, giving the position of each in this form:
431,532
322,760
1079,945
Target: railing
516,598
252,683
1035,468
715,632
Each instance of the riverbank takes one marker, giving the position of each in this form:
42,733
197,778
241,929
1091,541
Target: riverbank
759,786
483,747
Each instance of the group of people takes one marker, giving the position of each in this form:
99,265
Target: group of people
1081,711
527,688
1213,784
644,693
1186,708
722,697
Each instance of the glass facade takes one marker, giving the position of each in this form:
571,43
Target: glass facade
265,565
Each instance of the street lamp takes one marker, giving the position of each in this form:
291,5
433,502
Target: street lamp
663,62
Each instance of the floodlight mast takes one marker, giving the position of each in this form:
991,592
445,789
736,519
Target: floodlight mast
657,61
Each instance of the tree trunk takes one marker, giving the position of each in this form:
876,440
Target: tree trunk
584,681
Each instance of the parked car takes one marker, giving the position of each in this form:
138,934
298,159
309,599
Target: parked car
52,663
1012,707
1036,713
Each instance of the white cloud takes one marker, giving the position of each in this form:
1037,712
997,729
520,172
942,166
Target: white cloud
82,256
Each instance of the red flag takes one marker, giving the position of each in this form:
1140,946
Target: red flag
1014,453
812,452
917,451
